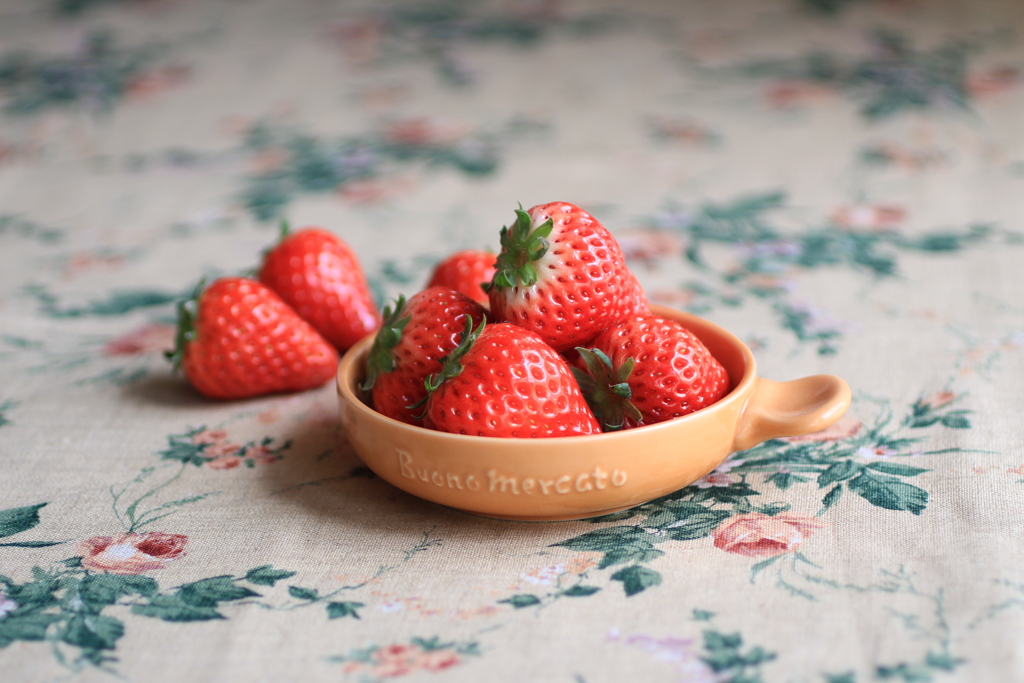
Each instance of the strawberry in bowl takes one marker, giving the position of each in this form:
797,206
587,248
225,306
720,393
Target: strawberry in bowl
504,381
410,346
562,275
466,271
648,370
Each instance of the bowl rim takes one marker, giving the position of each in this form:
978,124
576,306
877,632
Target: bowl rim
348,372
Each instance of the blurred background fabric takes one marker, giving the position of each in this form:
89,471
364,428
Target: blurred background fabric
838,182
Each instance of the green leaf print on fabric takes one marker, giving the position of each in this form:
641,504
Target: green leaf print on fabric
920,672
521,601
724,655
619,544
579,591
434,32
196,601
94,78
64,606
74,8
134,515
862,458
927,411
636,579
301,593
266,575
845,677
5,407
117,304
16,520
73,604
307,164
857,457
340,610
13,224
896,78
828,8
765,258
889,493
70,354
714,656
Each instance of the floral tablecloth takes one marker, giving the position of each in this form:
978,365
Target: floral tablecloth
838,182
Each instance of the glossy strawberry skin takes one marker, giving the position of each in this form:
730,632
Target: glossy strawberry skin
583,286
674,373
513,385
437,318
318,275
464,272
245,341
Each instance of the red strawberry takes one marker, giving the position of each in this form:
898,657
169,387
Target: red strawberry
561,274
410,345
648,370
504,381
319,276
238,339
465,272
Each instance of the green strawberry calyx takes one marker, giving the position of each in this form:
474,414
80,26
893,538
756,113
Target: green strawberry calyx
606,390
186,327
381,359
520,247
284,229
451,365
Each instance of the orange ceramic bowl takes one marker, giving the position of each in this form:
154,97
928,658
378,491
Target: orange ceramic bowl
584,476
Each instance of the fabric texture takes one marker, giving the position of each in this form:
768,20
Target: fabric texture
837,182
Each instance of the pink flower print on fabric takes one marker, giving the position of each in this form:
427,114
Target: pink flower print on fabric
876,218
393,661
131,553
680,652
551,574
876,453
939,400
209,436
7,605
225,462
758,535
720,476
145,340
993,81
221,448
717,479
259,454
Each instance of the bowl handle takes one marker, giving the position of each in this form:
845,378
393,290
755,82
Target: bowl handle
801,406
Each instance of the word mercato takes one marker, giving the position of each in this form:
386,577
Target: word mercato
493,481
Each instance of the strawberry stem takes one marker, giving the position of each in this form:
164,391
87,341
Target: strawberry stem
606,389
381,358
283,230
520,247
186,327
451,365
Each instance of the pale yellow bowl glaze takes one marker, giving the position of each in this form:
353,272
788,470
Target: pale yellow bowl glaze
585,476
